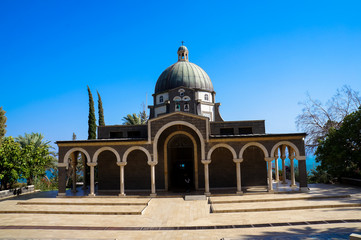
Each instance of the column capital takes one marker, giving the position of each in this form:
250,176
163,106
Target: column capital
92,164
62,164
291,157
206,162
268,159
237,160
300,158
152,163
121,163
283,157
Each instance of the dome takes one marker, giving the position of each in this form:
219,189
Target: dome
183,73
182,48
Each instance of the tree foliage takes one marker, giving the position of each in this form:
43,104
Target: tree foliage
36,139
36,161
100,111
11,162
2,123
92,126
317,119
37,156
340,152
27,156
135,119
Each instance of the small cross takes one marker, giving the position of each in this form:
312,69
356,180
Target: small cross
182,43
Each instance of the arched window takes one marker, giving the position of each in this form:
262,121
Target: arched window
186,107
177,107
161,99
206,97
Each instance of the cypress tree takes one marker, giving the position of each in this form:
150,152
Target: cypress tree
92,126
74,136
100,111
2,123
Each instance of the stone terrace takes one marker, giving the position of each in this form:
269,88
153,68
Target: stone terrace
339,215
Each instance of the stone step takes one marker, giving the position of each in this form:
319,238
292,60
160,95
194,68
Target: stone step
214,200
194,197
285,205
75,209
86,201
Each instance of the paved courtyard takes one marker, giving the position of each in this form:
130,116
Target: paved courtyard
326,212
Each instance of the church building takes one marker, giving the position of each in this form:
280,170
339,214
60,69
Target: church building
185,144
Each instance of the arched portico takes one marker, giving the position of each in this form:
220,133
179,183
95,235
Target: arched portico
257,144
134,165
234,154
254,165
293,153
287,143
174,123
67,156
96,154
195,158
126,153
71,153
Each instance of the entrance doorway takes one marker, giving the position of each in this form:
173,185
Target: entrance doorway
180,163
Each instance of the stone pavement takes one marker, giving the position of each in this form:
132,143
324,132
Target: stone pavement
174,218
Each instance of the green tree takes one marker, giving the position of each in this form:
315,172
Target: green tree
36,139
340,152
100,111
37,160
37,156
2,123
134,119
92,126
11,162
74,136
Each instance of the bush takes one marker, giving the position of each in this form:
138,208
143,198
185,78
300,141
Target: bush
18,185
320,176
45,183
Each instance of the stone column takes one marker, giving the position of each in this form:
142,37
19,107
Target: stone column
84,160
293,181
92,165
283,157
277,176
238,172
74,163
302,173
152,177
61,179
206,177
269,173
121,165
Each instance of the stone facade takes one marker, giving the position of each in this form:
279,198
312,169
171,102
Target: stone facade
183,143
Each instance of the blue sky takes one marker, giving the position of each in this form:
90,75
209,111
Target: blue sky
262,57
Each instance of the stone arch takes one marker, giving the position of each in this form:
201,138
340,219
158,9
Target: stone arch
125,155
195,157
67,155
161,130
263,148
222,169
234,154
297,152
96,154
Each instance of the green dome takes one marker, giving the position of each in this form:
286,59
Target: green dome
183,74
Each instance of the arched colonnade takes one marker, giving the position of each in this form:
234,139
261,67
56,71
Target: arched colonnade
279,150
